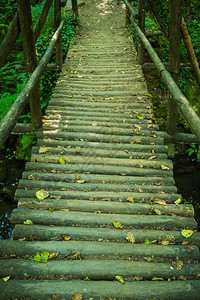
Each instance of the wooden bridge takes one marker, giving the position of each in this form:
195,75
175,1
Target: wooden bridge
98,204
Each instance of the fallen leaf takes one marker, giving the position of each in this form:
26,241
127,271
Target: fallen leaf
43,150
53,255
177,265
137,278
77,297
178,201
123,174
130,237
41,195
159,201
77,176
51,209
98,211
42,256
152,157
165,243
66,237
118,225
55,197
6,278
78,150
80,181
187,233
120,279
75,256
28,222
62,161
147,242
63,189
164,168
86,278
130,199
157,279
156,211
140,116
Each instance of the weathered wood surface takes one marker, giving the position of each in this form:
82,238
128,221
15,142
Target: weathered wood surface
101,159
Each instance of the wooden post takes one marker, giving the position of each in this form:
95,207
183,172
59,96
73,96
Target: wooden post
141,19
57,20
174,59
26,25
75,8
9,40
190,51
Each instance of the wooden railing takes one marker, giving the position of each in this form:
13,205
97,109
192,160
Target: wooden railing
178,100
22,21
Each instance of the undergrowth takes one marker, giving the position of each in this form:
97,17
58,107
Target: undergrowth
13,82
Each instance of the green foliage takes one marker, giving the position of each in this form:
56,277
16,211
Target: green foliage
192,150
24,146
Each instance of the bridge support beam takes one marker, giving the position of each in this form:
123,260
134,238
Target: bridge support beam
26,25
174,58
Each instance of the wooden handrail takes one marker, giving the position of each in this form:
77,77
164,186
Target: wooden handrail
182,102
15,110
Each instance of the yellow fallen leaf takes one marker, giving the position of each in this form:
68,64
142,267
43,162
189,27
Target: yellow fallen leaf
62,161
177,265
43,150
75,256
46,123
77,297
28,222
187,233
140,116
137,278
155,211
165,243
6,278
80,181
41,195
130,199
63,189
55,197
98,211
53,255
78,150
86,278
123,174
118,225
157,279
77,176
120,279
66,237
178,201
130,237
51,209
164,168
159,201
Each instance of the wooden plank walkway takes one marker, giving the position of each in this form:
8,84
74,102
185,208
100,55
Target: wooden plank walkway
100,160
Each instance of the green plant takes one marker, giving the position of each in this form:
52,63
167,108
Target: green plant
24,146
192,150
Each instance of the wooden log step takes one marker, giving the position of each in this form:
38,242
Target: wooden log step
107,249
97,137
100,93
42,232
100,195
42,183
148,122
95,270
120,115
100,289
100,152
84,120
92,79
78,159
85,106
73,122
35,175
69,218
98,129
98,169
98,87
107,206
151,149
